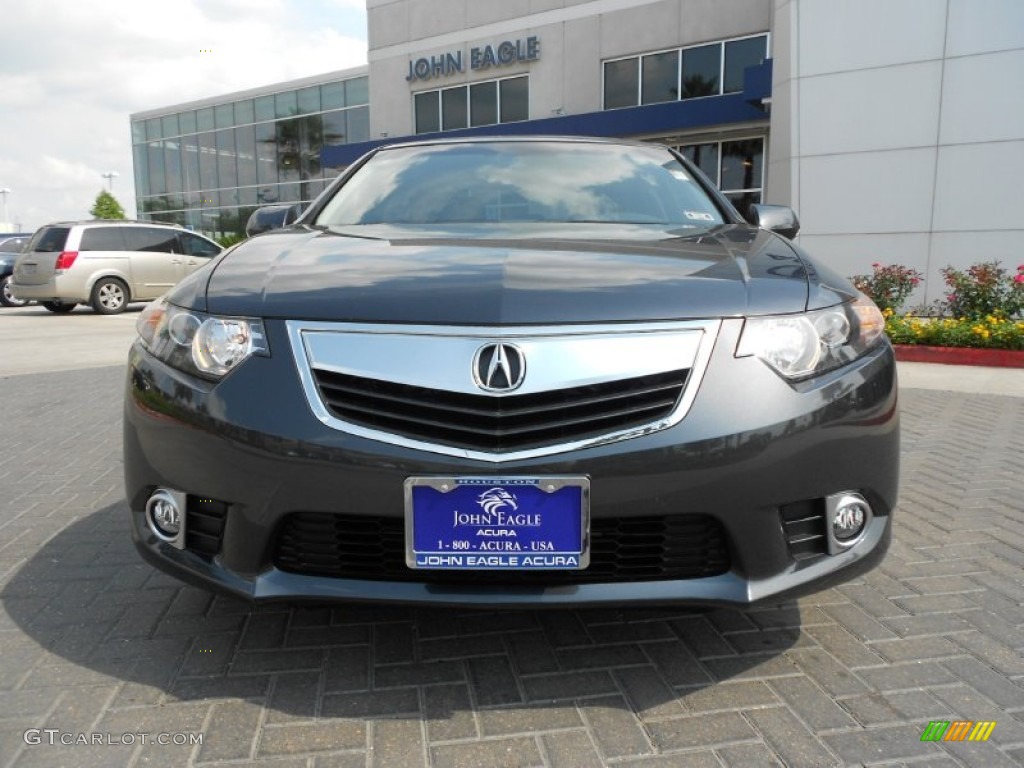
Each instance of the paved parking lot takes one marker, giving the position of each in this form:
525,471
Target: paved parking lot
97,644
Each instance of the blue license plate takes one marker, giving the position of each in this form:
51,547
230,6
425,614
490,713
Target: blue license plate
486,523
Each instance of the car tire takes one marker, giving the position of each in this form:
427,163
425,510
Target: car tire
5,294
109,296
59,307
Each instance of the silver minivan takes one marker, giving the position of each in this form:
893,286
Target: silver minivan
106,264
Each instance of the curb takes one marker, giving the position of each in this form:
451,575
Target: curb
995,358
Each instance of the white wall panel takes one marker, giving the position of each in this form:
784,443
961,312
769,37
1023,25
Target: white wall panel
582,73
785,56
876,192
435,17
978,187
387,24
888,108
983,98
703,20
478,13
978,26
841,35
645,28
547,76
962,249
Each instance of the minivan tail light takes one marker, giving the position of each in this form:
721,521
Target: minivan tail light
65,260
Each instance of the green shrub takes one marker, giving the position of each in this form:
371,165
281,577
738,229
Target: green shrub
984,289
888,286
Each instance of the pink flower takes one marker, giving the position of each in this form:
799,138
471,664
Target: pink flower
1019,278
876,265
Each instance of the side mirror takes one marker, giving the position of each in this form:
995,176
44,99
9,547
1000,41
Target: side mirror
777,218
272,217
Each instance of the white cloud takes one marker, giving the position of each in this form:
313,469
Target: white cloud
73,72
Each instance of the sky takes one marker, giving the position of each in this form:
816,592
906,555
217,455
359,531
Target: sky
71,73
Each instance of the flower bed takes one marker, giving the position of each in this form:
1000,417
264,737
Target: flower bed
979,323
991,332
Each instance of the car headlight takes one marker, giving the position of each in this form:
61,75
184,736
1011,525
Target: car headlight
198,343
810,343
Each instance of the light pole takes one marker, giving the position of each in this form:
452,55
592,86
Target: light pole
110,176
4,192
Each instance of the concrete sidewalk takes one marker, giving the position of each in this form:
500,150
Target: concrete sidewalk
962,378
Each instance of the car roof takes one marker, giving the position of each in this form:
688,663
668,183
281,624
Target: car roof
114,222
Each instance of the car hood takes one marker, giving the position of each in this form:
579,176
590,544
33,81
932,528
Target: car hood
479,276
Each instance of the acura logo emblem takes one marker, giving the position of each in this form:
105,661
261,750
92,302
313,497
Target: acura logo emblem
499,367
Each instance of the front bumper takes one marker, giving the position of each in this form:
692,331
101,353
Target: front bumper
750,447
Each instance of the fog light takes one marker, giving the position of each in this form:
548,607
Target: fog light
165,515
848,516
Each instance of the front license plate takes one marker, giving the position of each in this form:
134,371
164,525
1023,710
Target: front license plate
487,523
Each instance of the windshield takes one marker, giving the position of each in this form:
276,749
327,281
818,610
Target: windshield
556,182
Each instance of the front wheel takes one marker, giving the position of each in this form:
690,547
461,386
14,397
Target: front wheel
109,296
59,307
7,298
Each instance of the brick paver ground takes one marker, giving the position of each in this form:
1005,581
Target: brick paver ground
94,641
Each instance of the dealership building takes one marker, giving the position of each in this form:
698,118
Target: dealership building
894,127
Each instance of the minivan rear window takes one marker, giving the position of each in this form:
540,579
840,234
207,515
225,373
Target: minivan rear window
103,239
49,239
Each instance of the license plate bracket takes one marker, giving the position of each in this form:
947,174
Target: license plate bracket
497,523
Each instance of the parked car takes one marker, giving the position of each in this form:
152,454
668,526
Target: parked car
519,372
10,247
106,264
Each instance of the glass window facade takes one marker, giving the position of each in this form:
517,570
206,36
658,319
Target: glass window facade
660,78
736,166
621,83
506,100
710,69
208,168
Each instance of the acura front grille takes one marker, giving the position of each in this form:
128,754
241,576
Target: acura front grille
488,423
501,394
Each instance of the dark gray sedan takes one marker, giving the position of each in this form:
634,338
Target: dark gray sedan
521,372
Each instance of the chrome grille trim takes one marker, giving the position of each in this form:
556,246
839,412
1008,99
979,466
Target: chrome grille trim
637,350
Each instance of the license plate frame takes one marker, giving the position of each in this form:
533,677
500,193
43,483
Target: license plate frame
545,525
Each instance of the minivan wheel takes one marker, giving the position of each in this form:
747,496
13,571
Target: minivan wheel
109,296
6,297
59,307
